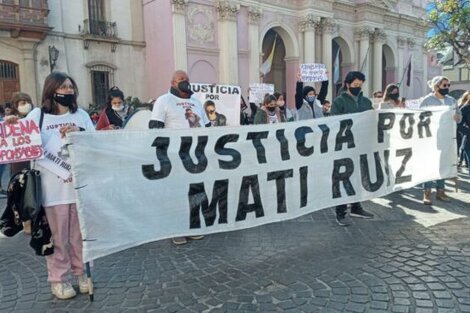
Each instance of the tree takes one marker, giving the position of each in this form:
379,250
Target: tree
450,21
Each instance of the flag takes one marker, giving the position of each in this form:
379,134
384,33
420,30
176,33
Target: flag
266,66
408,74
336,76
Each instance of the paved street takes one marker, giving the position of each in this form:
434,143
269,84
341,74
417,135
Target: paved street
410,258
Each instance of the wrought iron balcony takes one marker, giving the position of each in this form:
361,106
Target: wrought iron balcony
102,29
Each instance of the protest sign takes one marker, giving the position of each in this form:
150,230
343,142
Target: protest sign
313,72
20,141
174,183
226,99
412,104
54,160
258,91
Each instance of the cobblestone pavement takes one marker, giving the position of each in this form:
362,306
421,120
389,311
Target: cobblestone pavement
410,258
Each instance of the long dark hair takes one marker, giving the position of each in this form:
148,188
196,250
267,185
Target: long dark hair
53,81
388,91
114,92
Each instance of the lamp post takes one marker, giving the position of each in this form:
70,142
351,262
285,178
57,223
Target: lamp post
53,56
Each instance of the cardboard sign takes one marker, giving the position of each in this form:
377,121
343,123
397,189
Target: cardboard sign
313,72
258,91
412,104
20,141
54,160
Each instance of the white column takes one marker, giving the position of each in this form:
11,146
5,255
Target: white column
308,26
379,39
228,58
328,28
401,58
27,71
179,34
254,16
364,58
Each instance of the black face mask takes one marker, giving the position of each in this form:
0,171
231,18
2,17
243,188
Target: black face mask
355,90
444,91
67,100
184,86
394,96
271,109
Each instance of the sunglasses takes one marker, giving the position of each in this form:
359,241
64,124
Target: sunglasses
445,85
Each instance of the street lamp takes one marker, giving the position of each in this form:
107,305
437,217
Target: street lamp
53,56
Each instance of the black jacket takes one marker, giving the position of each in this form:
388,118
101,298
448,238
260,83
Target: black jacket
11,221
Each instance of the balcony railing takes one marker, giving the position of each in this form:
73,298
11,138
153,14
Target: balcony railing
101,29
23,17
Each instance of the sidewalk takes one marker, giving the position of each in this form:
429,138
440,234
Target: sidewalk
410,258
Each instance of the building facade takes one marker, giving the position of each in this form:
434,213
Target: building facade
100,43
226,41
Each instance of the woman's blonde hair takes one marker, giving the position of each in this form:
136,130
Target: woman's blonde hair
464,99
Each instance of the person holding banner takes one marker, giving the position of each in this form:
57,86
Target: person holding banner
307,103
351,100
437,97
177,109
391,99
116,111
61,115
269,113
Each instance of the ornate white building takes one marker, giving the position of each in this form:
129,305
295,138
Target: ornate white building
226,41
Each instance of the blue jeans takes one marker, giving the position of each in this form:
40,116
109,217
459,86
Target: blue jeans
440,184
466,154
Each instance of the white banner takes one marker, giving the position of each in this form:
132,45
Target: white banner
54,160
226,99
313,72
135,187
258,92
20,141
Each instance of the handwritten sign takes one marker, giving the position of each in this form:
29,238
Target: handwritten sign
412,104
258,91
20,141
313,72
54,160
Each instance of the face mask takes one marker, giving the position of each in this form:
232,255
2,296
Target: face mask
444,91
394,96
271,109
66,100
355,90
184,86
311,98
119,108
25,109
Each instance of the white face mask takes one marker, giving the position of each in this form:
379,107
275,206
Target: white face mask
25,109
119,108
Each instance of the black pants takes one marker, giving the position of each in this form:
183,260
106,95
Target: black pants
341,209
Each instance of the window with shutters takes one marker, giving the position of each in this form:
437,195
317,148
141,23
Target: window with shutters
9,80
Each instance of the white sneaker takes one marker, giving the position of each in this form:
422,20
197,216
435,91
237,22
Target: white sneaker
83,283
63,290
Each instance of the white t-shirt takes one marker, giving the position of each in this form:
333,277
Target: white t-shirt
177,112
272,118
55,190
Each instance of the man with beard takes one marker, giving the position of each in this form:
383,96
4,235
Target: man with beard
177,109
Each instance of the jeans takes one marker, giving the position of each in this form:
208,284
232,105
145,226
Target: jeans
440,184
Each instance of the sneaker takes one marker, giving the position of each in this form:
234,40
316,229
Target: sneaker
344,220
179,240
63,291
83,283
358,211
195,237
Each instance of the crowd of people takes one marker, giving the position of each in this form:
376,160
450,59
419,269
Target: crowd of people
58,114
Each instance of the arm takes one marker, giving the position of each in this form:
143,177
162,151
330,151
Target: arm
260,117
335,108
323,91
156,124
299,94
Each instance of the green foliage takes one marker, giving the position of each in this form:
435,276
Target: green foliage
450,20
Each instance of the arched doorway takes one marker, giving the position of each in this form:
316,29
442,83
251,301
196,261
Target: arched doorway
342,64
389,67
9,80
277,74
